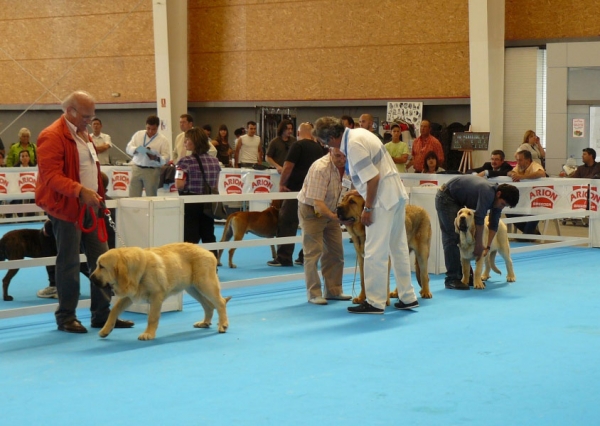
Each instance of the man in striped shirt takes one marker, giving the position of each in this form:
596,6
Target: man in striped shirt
376,178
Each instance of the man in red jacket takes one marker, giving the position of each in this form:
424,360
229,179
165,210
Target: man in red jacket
69,180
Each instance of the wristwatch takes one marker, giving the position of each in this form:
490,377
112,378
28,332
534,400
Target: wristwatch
368,210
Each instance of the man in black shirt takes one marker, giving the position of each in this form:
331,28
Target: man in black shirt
494,168
302,154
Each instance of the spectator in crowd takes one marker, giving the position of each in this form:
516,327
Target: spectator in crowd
493,168
2,160
221,143
376,178
348,121
150,150
278,147
69,181
321,232
12,158
102,142
248,149
186,122
238,133
481,196
301,156
208,131
531,143
431,164
366,122
589,168
425,143
24,159
397,149
192,171
526,169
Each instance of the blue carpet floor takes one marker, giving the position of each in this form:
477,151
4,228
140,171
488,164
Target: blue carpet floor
522,354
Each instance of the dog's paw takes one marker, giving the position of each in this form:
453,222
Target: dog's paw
426,294
478,285
146,336
103,333
485,277
202,324
8,298
232,265
394,294
511,278
358,300
219,263
223,328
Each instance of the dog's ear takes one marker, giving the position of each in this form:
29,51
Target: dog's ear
456,223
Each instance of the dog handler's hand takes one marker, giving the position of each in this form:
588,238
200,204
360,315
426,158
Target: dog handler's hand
366,218
89,197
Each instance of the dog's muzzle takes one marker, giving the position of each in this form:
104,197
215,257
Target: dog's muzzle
342,216
462,224
98,283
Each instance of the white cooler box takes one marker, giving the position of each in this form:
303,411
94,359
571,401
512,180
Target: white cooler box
151,222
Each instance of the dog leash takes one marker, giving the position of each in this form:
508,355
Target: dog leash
100,225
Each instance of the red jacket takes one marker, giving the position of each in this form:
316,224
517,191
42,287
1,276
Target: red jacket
58,183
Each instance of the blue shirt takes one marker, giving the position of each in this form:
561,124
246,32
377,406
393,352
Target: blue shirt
477,194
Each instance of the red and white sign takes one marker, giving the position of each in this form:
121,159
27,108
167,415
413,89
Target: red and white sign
232,183
120,181
27,181
543,196
261,184
3,184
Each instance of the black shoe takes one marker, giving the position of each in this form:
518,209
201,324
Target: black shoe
365,308
456,285
72,326
299,262
276,262
401,305
118,324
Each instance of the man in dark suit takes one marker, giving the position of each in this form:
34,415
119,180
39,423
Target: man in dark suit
496,167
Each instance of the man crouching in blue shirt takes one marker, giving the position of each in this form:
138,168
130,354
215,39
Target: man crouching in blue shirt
479,195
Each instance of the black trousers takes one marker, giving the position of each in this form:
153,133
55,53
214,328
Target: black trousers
197,226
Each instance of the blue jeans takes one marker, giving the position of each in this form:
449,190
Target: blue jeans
69,241
447,209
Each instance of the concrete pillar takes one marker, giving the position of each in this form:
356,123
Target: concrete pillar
171,63
486,57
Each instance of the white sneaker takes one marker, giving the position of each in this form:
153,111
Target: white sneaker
317,301
48,293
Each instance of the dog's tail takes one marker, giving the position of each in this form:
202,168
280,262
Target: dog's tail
227,299
492,261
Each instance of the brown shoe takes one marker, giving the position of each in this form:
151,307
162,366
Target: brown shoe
72,326
118,324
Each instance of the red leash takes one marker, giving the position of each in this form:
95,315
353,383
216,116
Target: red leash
96,224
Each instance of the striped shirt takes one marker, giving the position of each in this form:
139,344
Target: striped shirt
323,183
367,158
193,181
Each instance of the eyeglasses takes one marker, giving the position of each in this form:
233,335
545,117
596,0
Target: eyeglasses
85,117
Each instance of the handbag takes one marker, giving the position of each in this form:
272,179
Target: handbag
167,175
215,209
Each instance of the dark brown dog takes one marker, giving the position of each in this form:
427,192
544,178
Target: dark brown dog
22,243
262,224
418,233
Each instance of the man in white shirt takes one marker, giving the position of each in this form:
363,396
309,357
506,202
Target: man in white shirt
248,150
186,122
150,150
376,178
102,142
